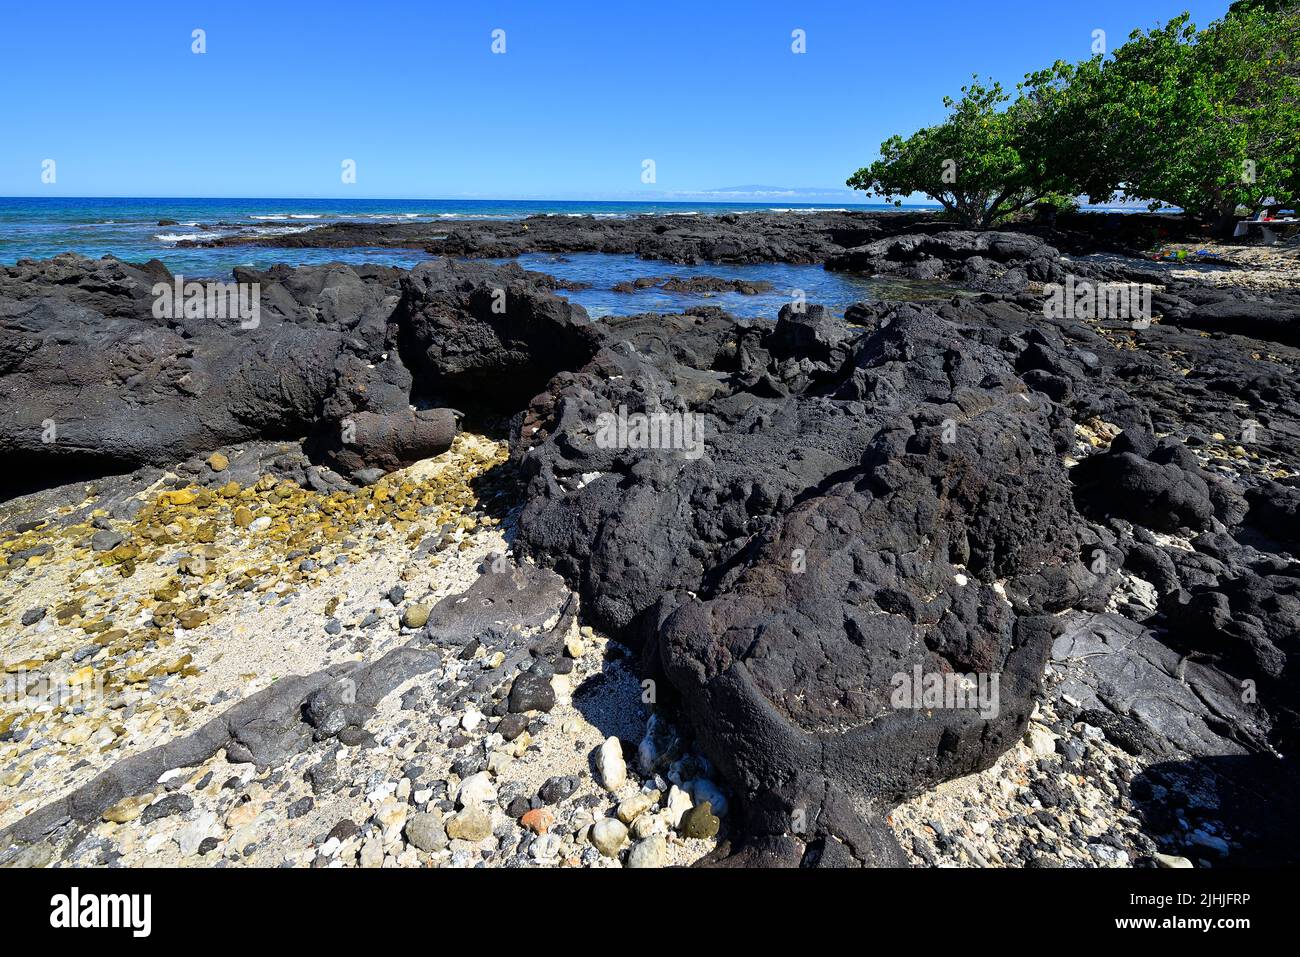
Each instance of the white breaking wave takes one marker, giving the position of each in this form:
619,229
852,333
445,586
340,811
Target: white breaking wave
220,233
178,237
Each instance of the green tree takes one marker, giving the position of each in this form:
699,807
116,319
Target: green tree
971,163
1206,121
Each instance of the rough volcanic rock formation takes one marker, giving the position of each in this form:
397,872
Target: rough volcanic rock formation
1198,519
824,450
987,261
868,502
1275,317
696,285
94,382
1158,484
487,334
729,238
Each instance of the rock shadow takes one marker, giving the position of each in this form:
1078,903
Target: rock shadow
1226,811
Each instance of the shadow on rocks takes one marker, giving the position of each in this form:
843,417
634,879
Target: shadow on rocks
1228,811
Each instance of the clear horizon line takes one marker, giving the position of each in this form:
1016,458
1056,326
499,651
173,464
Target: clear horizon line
452,199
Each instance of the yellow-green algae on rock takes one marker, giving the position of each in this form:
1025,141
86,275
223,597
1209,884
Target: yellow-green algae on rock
121,618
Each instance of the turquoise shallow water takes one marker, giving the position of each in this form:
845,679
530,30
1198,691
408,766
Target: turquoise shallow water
602,271
128,228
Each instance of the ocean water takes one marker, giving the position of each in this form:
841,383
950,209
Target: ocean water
42,227
38,228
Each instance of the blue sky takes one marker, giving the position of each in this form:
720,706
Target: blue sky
412,92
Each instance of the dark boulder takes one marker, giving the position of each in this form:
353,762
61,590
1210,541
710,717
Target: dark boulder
1157,483
487,333
531,692
866,502
990,261
1275,316
1275,510
391,440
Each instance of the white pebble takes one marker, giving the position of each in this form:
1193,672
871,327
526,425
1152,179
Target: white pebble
476,789
679,802
608,835
610,764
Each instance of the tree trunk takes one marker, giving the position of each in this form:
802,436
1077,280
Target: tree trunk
1225,220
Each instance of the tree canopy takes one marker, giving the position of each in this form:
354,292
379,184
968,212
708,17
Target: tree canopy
1203,120
974,163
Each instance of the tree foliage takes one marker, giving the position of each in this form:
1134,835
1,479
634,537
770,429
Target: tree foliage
973,163
1204,120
